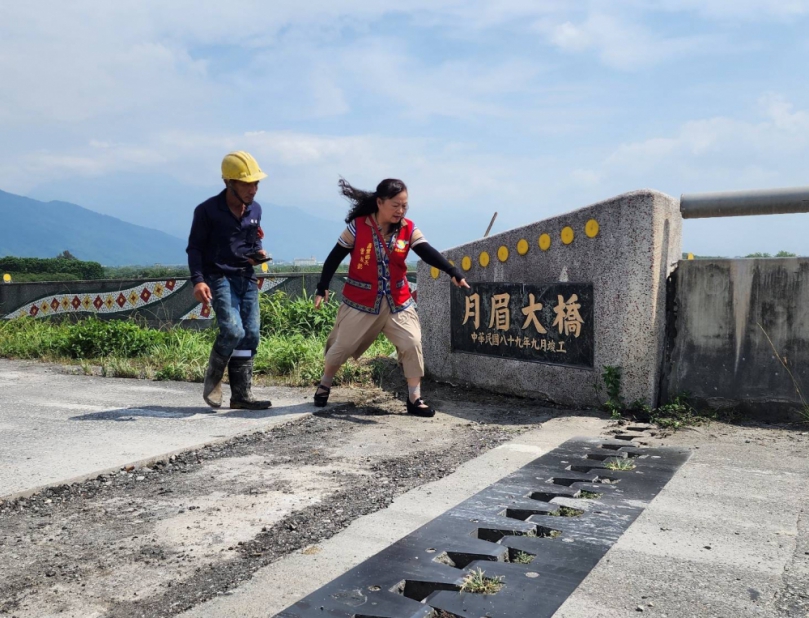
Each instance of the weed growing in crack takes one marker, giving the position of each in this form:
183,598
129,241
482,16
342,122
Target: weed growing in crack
588,495
477,582
566,511
620,464
612,381
804,411
677,413
521,557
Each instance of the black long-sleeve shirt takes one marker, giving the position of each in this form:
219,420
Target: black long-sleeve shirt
219,241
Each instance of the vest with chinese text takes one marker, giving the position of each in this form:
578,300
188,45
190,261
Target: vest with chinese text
372,276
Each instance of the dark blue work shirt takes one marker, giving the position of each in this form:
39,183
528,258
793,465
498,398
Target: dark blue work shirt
219,241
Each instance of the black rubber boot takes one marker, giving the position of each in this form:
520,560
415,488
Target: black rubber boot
240,371
212,389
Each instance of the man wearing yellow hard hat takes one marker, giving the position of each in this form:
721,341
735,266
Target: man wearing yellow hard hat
223,246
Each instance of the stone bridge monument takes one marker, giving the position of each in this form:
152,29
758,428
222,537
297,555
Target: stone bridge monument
554,302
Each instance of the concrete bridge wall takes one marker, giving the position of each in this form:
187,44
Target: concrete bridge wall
727,320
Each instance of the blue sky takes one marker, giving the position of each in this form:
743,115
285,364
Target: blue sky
527,107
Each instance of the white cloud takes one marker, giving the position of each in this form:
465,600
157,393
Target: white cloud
449,181
462,89
586,177
621,44
783,118
724,152
736,10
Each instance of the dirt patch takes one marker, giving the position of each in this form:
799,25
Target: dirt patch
157,541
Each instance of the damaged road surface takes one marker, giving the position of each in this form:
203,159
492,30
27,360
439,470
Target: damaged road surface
156,541
253,523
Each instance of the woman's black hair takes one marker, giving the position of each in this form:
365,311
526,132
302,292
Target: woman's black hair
364,202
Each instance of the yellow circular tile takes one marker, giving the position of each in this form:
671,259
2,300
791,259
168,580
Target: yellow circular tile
434,272
567,235
544,242
502,253
522,246
466,262
483,259
591,228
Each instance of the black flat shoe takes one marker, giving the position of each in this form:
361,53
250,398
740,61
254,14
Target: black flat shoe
323,398
419,408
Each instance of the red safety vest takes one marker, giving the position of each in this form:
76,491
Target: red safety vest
374,273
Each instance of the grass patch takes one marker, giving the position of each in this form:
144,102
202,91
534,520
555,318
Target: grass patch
290,351
620,464
477,582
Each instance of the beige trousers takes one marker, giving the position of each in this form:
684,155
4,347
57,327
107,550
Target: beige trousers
354,331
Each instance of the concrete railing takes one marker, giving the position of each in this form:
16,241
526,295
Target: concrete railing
745,203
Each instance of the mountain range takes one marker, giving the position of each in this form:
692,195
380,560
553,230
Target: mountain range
33,228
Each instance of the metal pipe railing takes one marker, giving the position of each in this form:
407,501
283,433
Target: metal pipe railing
743,203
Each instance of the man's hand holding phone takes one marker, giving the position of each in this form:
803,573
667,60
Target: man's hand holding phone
259,257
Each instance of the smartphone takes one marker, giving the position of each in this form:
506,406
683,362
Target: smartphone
259,258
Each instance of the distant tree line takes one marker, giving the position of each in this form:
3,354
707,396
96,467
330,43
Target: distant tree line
64,267
766,255
780,254
156,271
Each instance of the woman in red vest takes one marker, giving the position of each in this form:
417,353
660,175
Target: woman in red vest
376,295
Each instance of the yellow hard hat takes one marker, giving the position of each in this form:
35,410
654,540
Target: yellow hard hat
241,166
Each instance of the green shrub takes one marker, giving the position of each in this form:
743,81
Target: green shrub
30,338
281,315
291,347
94,338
